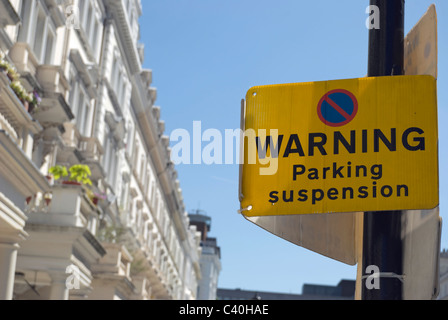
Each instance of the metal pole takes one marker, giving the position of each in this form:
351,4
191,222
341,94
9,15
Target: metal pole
382,238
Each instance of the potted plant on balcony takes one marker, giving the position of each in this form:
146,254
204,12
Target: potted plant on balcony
97,197
28,99
21,93
11,71
58,172
34,101
7,68
4,65
80,173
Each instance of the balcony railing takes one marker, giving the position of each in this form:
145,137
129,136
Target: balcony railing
53,109
116,262
26,63
13,110
6,126
91,149
71,136
92,155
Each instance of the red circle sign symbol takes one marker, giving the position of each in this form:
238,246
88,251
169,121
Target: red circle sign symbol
337,108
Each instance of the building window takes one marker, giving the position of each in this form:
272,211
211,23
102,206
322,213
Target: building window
72,93
95,35
38,39
136,157
82,115
110,159
114,72
49,51
90,22
81,108
38,30
118,80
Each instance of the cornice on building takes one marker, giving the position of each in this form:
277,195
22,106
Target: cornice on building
148,117
117,14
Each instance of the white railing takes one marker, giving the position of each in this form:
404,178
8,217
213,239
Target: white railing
6,126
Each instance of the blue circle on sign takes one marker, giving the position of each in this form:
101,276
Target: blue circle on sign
337,108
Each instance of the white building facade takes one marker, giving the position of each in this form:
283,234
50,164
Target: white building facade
74,97
210,260
210,269
443,276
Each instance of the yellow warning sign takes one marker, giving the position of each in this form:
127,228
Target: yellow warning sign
368,144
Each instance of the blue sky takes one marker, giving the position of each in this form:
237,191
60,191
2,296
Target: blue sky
206,54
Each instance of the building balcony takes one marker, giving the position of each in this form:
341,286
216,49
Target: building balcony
51,79
157,278
53,109
91,149
61,236
21,178
48,79
116,261
14,112
92,153
86,150
87,71
112,273
44,262
71,136
8,129
70,206
12,221
143,291
26,63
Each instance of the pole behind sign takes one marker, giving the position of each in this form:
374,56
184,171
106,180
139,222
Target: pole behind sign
382,242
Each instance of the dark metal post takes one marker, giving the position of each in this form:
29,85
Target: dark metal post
382,238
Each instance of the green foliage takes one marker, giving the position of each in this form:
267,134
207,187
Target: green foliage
16,86
58,172
81,173
4,65
19,90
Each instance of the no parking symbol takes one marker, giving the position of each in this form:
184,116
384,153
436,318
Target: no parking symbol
337,108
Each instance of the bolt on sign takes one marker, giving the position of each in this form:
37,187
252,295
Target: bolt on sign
368,144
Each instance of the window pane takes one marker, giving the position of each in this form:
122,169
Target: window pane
24,12
39,35
114,73
49,49
80,112
82,11
74,89
88,24
96,30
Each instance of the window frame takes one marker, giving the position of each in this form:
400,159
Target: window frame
36,27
